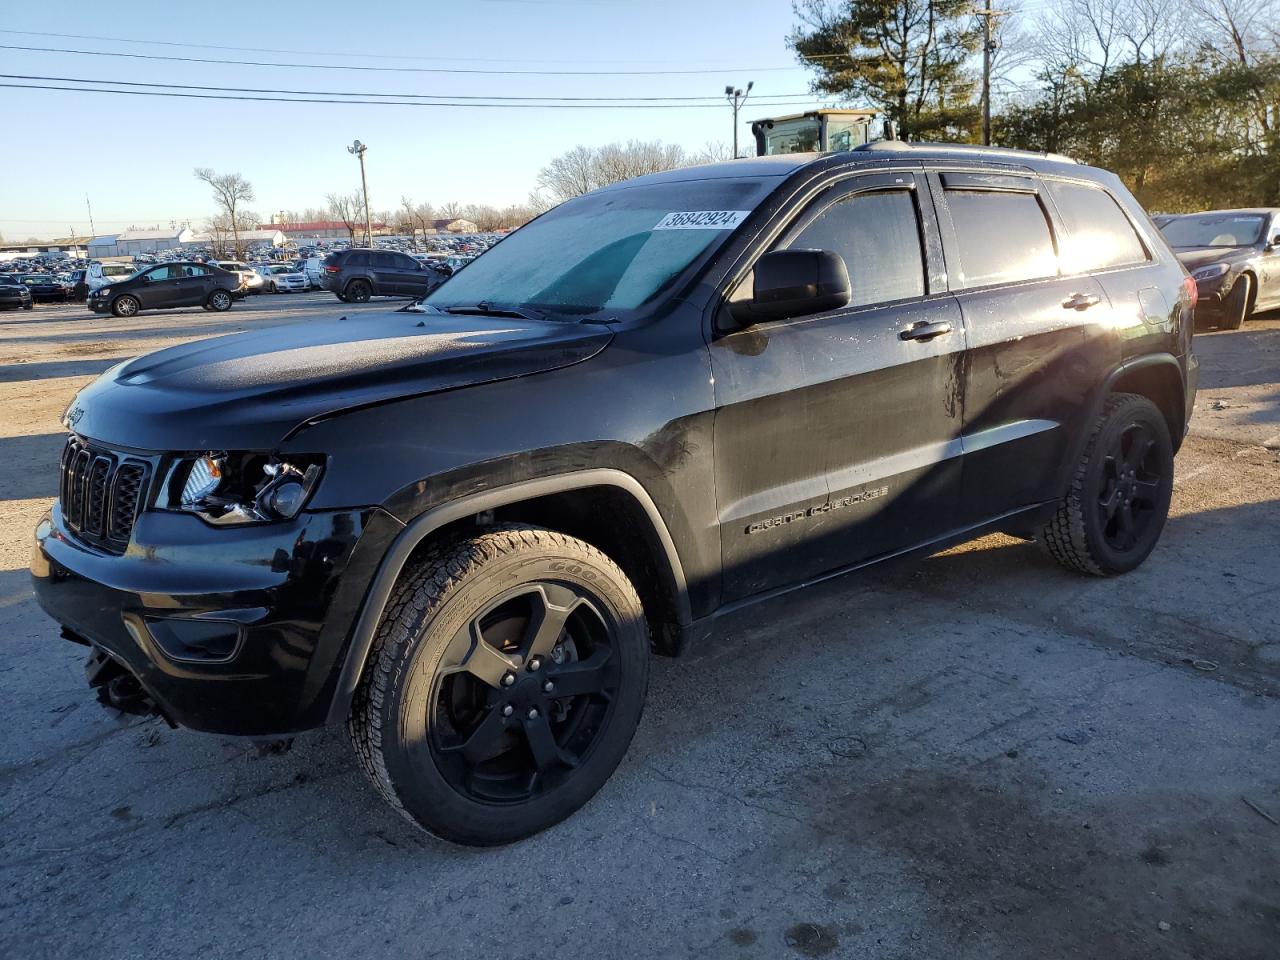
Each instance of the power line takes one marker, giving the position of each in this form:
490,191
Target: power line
350,54
368,69
347,93
391,103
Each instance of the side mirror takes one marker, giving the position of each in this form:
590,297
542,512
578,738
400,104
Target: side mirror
1274,242
795,283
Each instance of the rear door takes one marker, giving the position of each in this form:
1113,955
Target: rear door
836,435
387,278
1027,375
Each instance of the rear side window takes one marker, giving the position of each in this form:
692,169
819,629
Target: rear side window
1003,237
357,260
878,235
1099,235
384,261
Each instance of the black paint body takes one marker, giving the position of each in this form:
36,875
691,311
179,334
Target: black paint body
739,462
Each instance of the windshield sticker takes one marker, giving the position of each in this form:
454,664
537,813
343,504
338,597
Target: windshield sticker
702,220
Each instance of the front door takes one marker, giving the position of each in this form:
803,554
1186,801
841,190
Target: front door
160,287
386,275
837,435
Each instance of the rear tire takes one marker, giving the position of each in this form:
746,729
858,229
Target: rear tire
358,291
1113,514
1236,307
125,306
453,722
219,301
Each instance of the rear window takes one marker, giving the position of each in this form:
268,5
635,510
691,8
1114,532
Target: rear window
1099,235
1003,237
117,270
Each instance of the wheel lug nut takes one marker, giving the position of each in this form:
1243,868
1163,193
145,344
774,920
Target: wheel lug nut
508,679
548,686
535,663
533,713
508,710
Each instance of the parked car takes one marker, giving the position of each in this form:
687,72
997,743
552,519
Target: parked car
47,288
176,284
252,280
14,293
283,278
1234,256
357,274
94,275
461,529
313,268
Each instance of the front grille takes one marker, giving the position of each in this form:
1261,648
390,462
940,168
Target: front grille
100,493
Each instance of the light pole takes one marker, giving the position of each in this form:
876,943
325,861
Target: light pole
737,97
358,149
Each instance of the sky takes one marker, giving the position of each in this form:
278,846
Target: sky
133,156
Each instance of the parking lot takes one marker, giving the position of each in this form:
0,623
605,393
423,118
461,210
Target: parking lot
976,756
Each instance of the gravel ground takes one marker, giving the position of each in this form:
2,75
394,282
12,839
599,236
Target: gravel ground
978,756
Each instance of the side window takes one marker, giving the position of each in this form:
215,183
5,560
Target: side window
405,263
878,235
1003,237
357,260
159,273
1099,235
384,261
196,271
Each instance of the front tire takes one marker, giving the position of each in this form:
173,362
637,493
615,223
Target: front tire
125,306
219,301
504,685
1236,307
1113,514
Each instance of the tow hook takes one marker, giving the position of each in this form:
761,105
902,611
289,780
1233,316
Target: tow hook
117,688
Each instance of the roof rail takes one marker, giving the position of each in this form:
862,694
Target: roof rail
878,146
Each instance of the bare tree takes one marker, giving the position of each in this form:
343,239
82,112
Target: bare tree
230,190
451,210
583,169
347,207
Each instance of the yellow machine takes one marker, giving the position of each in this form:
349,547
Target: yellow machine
817,130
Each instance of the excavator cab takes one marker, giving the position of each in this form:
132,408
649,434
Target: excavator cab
821,131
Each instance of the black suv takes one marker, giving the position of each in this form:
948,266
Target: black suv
179,284
356,275
462,528
14,293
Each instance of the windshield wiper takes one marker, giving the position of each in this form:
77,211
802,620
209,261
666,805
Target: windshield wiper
486,309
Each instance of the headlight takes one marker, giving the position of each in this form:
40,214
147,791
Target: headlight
102,292
1212,271
234,488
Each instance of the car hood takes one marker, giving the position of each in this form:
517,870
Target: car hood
251,390
1195,257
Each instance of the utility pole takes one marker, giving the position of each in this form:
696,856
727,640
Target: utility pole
736,98
89,207
358,149
989,46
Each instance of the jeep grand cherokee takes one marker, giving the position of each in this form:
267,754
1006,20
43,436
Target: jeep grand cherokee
461,530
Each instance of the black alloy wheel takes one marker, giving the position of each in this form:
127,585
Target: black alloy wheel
1132,478
523,692
358,291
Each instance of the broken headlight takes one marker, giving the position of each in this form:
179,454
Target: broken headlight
230,488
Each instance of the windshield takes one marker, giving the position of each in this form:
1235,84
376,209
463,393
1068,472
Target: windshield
280,270
611,250
1214,230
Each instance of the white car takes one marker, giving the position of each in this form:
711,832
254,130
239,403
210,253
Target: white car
249,278
100,274
313,268
283,278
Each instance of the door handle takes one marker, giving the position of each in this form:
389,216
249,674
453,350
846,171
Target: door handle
925,331
1081,301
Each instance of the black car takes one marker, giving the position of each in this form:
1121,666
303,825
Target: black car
47,288
14,293
461,529
1234,257
179,284
358,274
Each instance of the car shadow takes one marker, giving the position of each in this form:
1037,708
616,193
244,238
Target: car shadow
55,369
30,465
